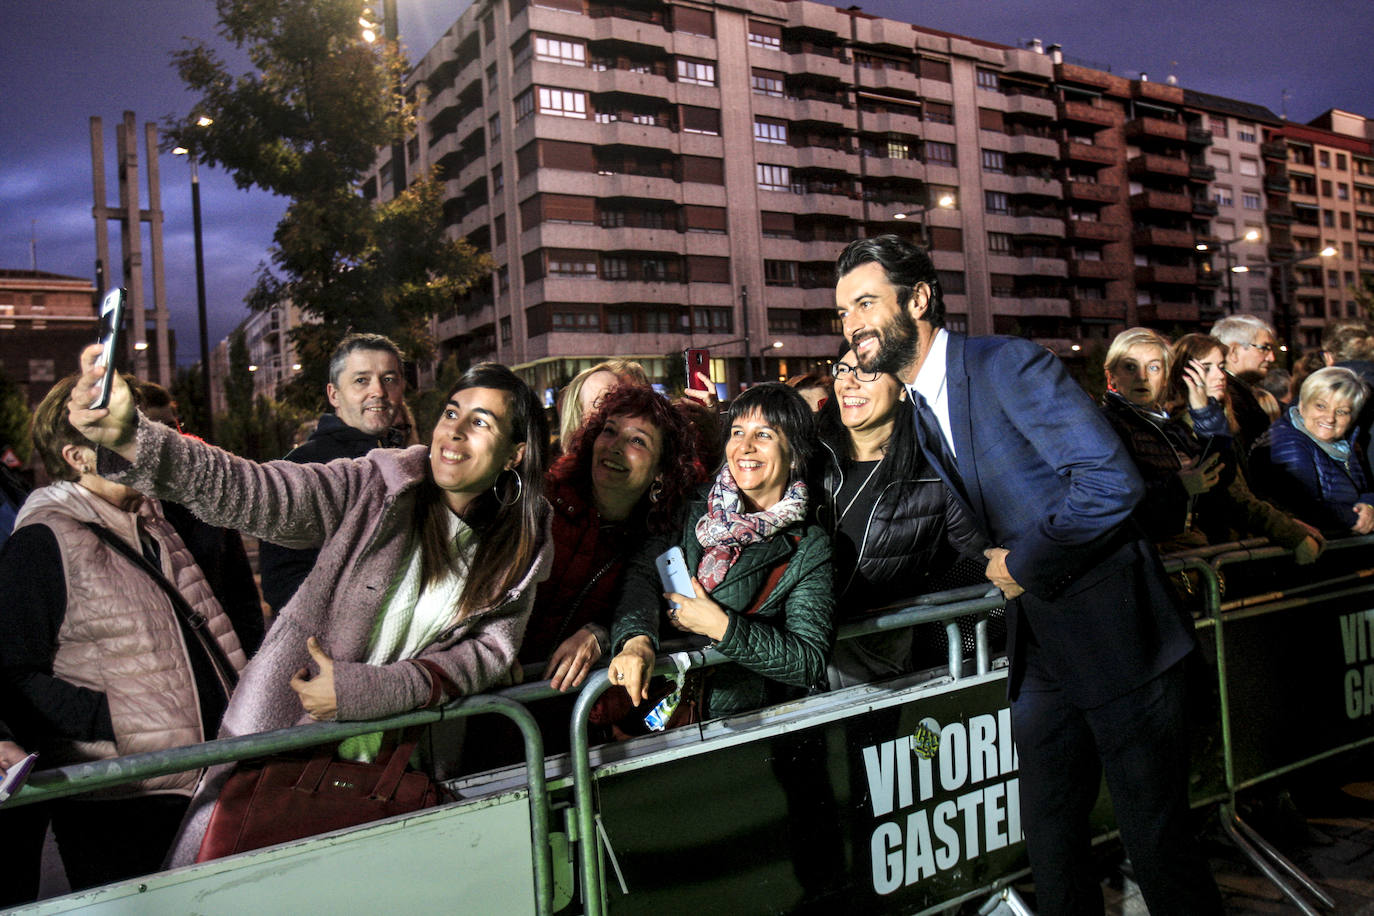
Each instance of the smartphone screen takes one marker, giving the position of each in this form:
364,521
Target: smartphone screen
111,319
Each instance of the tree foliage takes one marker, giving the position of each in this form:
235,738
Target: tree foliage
15,418
306,123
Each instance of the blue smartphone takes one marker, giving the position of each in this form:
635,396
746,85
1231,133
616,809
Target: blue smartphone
673,572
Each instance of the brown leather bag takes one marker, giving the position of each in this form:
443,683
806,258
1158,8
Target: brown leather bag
283,798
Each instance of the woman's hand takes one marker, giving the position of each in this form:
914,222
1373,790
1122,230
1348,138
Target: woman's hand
317,693
574,657
1195,382
1199,478
699,614
113,426
706,394
630,669
1364,518
10,754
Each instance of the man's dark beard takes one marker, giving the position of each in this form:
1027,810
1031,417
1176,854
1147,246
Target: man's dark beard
896,346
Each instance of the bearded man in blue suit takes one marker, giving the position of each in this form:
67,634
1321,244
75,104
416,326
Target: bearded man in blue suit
1095,635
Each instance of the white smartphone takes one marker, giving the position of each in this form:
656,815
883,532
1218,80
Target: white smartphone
111,319
15,776
673,572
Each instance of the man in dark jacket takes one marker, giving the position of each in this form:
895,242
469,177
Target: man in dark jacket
366,389
1093,630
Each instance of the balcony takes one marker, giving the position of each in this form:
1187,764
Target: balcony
1087,152
1094,270
1152,164
1202,207
1163,238
1208,278
1087,113
1072,73
1164,312
1162,200
1086,191
1275,149
1199,137
1098,309
1201,173
1030,106
890,167
1083,230
1181,275
1156,92
820,157
1276,185
1027,145
1156,129
1044,226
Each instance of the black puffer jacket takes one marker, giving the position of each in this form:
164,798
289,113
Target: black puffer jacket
916,528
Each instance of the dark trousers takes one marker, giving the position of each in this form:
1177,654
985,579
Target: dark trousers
105,841
1140,741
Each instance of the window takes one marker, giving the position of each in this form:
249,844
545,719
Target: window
780,273
931,69
938,153
1245,133
1221,162
503,279
1340,162
1326,187
784,321
1223,197
939,113
994,161
500,234
898,149
564,103
1342,191
1003,285
560,51
1324,158
572,264
412,149
770,130
766,82
506,333
999,242
491,77
494,124
576,321
778,225
1251,201
1218,127
774,177
1345,219
498,180
1329,219
615,268
524,105
698,120
1333,278
1348,250
693,21
765,35
988,79
996,202
696,72
951,281
713,321
1249,167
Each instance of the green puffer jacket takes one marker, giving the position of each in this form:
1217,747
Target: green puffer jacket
782,648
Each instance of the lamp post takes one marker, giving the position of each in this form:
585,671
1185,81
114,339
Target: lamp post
202,121
748,354
391,31
945,202
763,353
1250,236
1285,267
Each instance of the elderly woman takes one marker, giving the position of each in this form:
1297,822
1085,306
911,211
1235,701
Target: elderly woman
762,584
893,520
1308,461
1195,493
100,657
428,556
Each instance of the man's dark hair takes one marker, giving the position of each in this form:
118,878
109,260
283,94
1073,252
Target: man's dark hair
355,342
905,264
786,411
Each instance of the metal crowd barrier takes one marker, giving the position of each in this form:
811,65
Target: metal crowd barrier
944,607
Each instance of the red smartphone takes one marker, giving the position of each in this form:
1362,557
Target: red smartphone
697,359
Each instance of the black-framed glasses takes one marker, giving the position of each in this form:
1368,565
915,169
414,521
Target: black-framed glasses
839,370
1267,348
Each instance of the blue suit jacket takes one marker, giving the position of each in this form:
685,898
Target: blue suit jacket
1048,479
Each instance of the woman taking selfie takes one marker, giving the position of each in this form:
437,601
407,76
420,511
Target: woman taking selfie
428,556
761,570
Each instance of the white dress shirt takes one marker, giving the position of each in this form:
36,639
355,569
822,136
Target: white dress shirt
930,384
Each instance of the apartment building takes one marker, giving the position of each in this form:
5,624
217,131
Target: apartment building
271,354
1241,187
1330,169
45,320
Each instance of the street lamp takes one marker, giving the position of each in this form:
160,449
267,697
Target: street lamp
1285,267
202,121
763,353
945,202
1251,235
748,353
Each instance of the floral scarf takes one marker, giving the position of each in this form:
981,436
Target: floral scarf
725,530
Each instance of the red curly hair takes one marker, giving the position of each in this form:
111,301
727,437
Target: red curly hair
679,459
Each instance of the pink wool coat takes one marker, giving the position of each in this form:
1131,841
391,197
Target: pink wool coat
358,512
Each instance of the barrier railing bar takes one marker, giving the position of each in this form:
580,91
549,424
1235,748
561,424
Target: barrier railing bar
1239,832
1304,762
78,778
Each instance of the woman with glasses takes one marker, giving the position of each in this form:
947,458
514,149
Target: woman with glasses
1308,460
893,520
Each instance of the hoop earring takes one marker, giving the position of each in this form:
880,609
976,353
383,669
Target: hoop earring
519,490
655,491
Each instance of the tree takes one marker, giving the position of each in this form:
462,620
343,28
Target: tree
306,123
15,418
193,407
1363,294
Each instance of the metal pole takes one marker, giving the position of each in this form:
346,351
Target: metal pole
1230,283
200,300
1285,309
392,30
748,349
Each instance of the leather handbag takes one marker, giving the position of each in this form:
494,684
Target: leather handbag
283,798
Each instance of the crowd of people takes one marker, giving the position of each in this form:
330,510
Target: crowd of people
402,575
